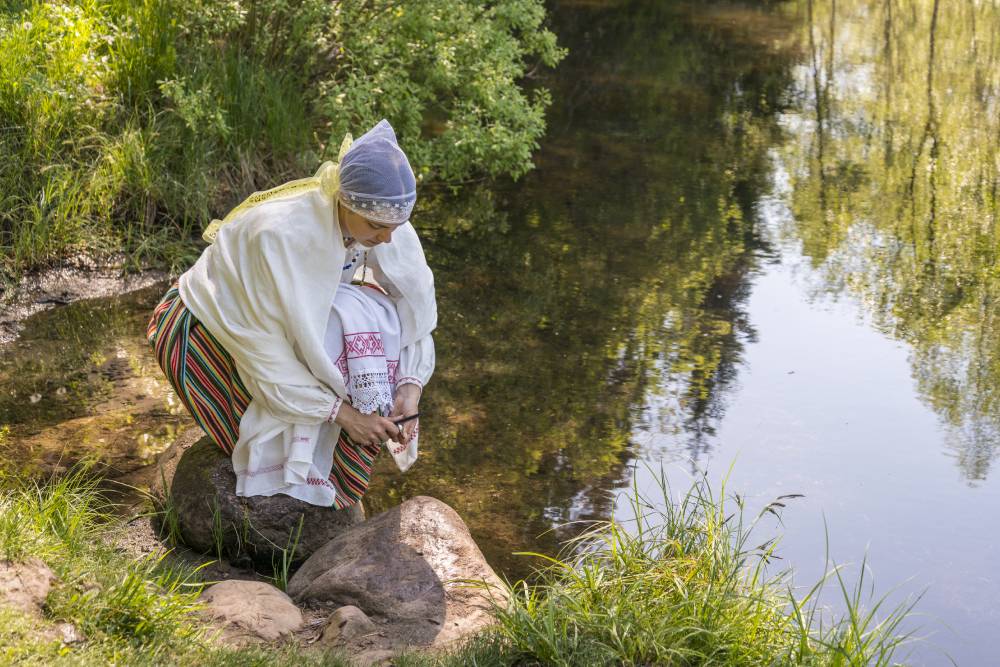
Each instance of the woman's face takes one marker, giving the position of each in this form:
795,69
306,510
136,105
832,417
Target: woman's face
366,232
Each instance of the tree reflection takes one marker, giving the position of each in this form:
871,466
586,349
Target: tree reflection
895,189
615,276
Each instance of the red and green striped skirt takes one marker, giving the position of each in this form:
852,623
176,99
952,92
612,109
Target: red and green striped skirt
207,383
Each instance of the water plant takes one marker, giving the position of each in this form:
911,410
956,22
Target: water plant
685,582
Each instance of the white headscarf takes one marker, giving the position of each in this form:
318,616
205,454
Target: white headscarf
376,180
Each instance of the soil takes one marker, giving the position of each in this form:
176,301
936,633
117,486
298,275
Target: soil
75,279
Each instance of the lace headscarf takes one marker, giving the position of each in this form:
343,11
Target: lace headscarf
376,180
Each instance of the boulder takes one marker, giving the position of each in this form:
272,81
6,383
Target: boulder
161,476
410,569
258,528
249,612
25,585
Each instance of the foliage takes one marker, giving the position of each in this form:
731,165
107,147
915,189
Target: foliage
131,124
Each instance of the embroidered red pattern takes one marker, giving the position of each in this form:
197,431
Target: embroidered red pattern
364,344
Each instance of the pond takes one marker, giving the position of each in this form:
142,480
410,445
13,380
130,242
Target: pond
761,237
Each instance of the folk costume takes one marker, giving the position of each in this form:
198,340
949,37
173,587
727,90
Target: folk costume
266,336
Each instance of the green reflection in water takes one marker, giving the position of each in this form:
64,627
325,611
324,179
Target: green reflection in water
894,165
80,382
616,272
614,275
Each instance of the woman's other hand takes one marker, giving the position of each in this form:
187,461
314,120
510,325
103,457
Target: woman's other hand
366,429
407,403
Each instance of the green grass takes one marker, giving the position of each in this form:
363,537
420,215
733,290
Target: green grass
684,583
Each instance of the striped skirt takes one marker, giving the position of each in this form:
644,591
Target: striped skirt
207,383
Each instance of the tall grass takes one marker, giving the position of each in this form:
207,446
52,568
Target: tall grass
129,611
685,582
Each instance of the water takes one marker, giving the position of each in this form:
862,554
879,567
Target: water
757,233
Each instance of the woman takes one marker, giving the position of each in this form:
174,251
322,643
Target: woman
296,372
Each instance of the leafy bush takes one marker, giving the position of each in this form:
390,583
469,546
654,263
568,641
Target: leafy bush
131,124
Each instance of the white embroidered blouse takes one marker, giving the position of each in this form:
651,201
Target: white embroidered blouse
417,360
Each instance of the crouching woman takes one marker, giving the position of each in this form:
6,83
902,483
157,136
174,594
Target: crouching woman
300,341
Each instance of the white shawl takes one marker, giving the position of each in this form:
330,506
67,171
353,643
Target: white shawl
264,290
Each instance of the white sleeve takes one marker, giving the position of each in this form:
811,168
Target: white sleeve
298,404
416,363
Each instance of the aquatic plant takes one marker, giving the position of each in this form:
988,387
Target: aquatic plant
685,582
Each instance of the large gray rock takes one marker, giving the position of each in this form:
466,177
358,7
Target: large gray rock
409,569
249,612
203,493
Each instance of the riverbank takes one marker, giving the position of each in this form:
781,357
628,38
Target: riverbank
684,584
80,277
687,589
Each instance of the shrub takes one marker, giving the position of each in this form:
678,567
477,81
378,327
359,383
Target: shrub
131,124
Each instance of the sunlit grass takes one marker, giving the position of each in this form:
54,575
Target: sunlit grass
128,611
685,582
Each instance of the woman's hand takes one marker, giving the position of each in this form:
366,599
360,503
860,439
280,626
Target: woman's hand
366,429
407,403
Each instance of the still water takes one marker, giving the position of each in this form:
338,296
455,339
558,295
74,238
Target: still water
758,233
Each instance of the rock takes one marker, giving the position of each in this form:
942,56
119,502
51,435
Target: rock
345,624
203,492
25,585
161,476
250,611
409,568
68,634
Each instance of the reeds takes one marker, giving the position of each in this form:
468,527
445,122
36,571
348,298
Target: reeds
685,582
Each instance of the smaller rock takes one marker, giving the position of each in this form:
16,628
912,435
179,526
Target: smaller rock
25,585
345,624
68,634
249,612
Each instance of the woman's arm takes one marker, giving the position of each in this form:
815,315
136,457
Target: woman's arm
416,365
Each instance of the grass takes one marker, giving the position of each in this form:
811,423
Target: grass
283,567
684,583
